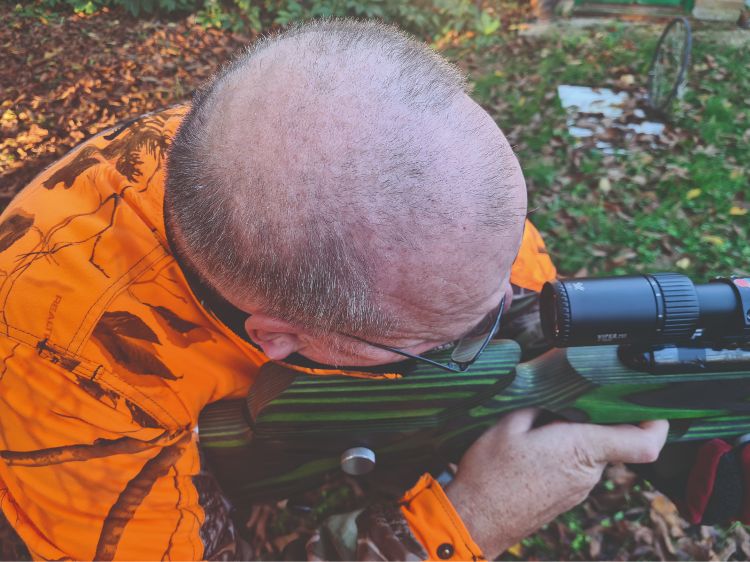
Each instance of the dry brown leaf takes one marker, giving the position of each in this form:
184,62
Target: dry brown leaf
743,539
728,551
595,546
281,542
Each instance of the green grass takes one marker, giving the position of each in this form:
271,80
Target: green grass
677,207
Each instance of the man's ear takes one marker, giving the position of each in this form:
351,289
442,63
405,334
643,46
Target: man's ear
277,339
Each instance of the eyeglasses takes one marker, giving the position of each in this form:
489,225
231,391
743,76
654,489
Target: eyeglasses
465,350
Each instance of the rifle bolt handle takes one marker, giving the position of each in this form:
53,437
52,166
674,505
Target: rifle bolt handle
358,461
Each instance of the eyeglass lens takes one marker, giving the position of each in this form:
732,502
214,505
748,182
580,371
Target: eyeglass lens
471,344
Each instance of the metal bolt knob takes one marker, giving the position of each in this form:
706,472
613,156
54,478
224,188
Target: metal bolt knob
358,461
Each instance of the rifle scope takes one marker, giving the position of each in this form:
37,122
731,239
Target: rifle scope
646,309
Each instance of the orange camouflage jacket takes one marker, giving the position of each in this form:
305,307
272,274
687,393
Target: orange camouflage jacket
107,358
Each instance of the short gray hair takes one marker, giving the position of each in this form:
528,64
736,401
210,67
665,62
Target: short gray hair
301,260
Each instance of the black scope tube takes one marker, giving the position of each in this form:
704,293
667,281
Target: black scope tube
645,309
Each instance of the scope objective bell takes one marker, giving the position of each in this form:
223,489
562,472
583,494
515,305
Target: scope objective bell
645,309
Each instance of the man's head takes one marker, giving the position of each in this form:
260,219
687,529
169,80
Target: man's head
337,179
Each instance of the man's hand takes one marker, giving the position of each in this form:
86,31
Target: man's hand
516,478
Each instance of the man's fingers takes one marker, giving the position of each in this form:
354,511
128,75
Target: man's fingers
520,421
629,443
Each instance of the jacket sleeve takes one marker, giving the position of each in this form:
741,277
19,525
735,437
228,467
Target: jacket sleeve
423,525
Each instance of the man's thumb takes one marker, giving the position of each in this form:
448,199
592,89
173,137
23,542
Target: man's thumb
519,421
629,443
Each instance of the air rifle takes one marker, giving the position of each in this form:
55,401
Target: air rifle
628,349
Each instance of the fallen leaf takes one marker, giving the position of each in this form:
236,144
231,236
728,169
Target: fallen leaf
623,257
743,539
34,135
281,542
693,193
595,547
662,507
9,116
53,53
728,551
715,240
683,263
737,211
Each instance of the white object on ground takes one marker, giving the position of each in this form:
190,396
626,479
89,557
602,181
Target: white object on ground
596,105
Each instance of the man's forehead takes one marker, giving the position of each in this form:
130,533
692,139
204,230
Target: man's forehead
437,317
441,296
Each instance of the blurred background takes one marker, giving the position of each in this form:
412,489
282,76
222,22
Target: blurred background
619,182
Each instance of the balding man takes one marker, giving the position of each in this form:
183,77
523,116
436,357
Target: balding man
332,197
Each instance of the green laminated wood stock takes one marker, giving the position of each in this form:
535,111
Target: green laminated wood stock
629,349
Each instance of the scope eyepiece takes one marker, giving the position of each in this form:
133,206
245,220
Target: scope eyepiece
646,309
